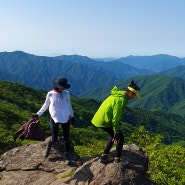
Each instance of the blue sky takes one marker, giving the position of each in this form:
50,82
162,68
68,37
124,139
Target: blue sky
93,28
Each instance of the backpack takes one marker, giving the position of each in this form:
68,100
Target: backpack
30,130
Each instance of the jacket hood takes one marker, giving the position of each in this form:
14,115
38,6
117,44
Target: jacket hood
117,92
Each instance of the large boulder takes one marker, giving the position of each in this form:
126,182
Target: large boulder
27,165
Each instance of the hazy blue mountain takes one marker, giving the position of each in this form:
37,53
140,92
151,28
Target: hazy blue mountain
76,58
82,72
38,72
113,68
157,63
107,59
148,64
95,79
120,70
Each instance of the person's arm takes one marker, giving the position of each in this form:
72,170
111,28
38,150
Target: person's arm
71,113
44,106
117,113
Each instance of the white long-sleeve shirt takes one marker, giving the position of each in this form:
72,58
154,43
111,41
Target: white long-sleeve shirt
59,105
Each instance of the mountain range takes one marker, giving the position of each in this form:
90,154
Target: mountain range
160,77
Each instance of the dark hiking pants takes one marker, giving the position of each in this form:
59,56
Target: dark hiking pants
119,145
65,129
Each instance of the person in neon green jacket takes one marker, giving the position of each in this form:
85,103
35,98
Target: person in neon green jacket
108,117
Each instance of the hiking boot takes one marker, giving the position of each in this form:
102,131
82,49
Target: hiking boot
121,161
66,155
48,148
66,158
57,145
105,159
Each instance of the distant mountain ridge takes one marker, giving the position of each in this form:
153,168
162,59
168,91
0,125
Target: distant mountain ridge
38,72
83,72
157,63
117,69
94,79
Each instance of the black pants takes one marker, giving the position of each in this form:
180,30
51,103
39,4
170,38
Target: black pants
119,145
65,129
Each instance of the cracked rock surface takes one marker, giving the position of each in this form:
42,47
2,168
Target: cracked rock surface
26,165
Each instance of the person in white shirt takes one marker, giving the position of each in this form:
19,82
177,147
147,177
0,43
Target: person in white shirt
60,109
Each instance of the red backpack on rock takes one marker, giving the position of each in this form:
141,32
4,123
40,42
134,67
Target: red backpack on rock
30,130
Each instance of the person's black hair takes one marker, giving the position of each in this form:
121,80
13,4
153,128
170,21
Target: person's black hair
134,86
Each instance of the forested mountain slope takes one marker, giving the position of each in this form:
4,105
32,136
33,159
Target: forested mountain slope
82,72
19,102
155,63
158,92
38,72
113,68
178,71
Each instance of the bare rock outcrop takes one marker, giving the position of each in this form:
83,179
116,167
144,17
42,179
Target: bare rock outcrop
26,165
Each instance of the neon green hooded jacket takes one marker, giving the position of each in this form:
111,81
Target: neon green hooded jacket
110,111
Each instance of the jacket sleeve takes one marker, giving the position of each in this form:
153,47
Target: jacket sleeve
117,113
44,106
71,113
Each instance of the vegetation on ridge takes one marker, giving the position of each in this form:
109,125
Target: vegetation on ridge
166,162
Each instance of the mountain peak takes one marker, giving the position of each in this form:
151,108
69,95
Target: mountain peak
26,165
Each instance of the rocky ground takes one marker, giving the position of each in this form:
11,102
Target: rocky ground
27,165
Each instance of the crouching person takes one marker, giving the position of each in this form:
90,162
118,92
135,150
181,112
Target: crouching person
108,117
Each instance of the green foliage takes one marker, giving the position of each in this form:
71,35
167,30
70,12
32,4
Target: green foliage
167,165
180,143
170,126
166,162
6,141
89,135
18,102
18,105
88,141
84,110
90,150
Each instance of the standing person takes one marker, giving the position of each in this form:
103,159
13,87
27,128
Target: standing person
108,117
60,109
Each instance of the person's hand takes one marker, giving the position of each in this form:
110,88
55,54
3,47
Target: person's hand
35,116
115,141
116,137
